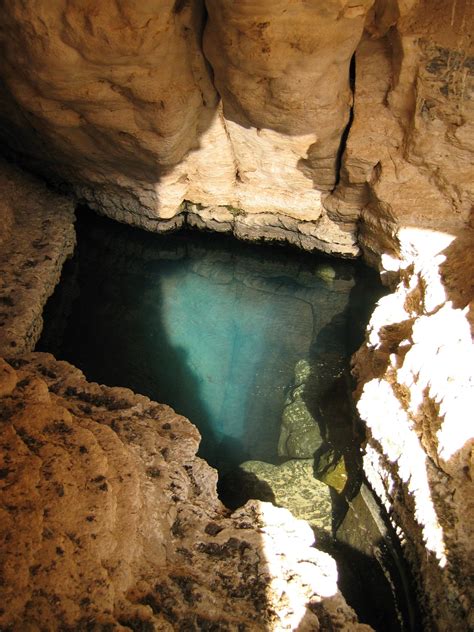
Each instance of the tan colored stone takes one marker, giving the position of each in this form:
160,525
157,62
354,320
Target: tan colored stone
40,238
108,518
117,101
285,104
8,378
408,159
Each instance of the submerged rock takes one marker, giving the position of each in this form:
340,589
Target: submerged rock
331,469
325,272
375,558
363,528
302,372
292,485
300,436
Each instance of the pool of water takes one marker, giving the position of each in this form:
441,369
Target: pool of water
251,342
211,326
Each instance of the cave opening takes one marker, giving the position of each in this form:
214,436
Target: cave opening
253,344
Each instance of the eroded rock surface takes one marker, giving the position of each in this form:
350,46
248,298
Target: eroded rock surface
408,158
36,236
109,518
408,163
416,395
118,101
244,111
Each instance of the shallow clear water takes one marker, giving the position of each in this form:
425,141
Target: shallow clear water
223,332
211,326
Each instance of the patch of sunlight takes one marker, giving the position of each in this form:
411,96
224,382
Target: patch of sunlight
296,571
391,426
440,363
415,242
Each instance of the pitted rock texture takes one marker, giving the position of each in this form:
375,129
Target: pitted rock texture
36,236
108,519
416,395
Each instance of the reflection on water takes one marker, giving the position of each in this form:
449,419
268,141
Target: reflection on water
252,343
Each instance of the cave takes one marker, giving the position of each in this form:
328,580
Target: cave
311,159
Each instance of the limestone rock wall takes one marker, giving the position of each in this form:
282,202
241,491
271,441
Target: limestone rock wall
109,97
408,159
244,110
118,102
108,519
285,91
416,395
408,162
36,236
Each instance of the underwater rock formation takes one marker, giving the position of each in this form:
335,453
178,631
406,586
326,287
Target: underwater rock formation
330,468
108,518
291,485
300,435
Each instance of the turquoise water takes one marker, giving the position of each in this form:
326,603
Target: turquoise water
212,327
236,337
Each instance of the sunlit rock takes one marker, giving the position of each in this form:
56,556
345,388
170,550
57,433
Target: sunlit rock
416,395
142,109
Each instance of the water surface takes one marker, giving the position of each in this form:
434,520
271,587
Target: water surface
211,326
